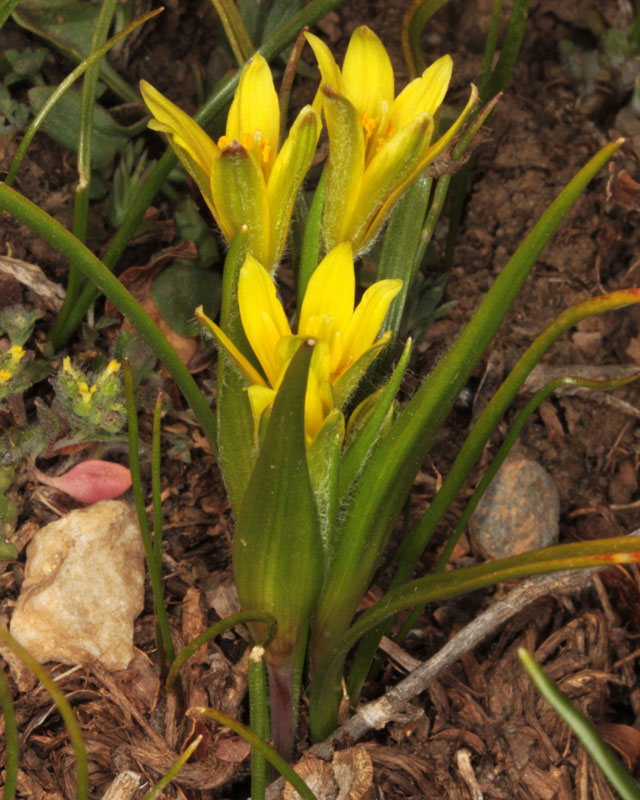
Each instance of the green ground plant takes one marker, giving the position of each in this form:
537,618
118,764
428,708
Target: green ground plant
317,468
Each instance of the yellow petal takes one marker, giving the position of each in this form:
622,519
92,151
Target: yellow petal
240,193
329,70
255,110
262,315
260,398
190,143
183,130
363,327
313,406
242,363
346,166
423,94
290,167
395,162
367,74
432,153
437,147
330,294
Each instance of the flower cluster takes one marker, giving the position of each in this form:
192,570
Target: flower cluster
345,338
379,144
96,404
12,371
244,177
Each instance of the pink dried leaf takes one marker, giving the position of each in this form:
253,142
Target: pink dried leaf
90,481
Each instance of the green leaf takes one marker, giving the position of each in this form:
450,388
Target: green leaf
63,120
277,547
179,290
371,510
263,17
325,688
622,781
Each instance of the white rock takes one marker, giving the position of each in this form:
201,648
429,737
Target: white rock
83,587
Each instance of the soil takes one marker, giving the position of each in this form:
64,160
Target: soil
479,730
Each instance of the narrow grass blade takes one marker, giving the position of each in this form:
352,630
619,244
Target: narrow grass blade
174,769
624,783
259,718
326,683
7,10
62,704
11,740
255,741
66,83
415,19
235,30
165,643
241,618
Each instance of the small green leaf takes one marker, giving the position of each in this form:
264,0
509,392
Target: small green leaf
179,290
263,17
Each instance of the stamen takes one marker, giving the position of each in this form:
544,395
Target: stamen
369,124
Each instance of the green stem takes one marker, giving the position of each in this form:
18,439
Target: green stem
259,717
11,740
165,643
156,485
66,243
624,783
280,39
62,704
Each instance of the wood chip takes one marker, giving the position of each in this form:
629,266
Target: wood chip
31,276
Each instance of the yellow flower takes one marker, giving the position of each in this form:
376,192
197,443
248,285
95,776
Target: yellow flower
378,145
243,177
5,375
17,353
346,342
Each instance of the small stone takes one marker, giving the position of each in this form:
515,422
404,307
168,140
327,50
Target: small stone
519,511
83,587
